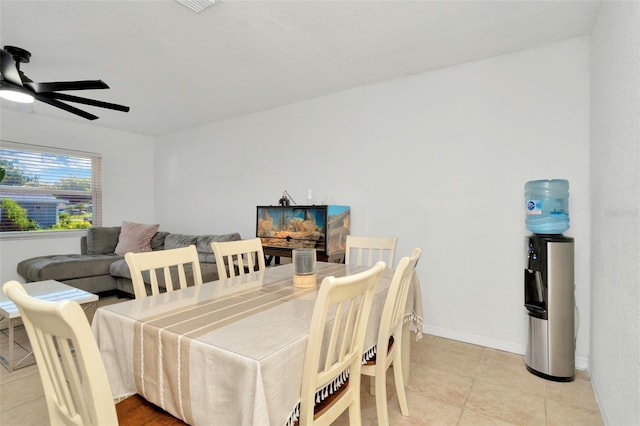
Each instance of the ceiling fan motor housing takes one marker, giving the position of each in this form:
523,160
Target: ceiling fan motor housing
20,55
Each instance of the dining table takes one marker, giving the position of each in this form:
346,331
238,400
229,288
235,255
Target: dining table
228,352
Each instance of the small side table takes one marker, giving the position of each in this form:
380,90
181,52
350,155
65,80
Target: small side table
49,290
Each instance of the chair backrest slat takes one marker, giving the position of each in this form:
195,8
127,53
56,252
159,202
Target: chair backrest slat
366,251
238,257
168,262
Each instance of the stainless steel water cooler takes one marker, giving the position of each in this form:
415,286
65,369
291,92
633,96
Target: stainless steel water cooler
549,299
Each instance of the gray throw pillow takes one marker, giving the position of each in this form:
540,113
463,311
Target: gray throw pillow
172,241
205,253
157,242
102,240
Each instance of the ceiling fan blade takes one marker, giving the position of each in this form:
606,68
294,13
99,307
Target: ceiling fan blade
68,85
8,68
77,99
56,103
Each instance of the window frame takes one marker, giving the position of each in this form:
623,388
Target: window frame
96,190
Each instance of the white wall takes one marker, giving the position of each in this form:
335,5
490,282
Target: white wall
127,167
438,159
615,212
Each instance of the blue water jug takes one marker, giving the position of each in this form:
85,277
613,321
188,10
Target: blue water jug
547,206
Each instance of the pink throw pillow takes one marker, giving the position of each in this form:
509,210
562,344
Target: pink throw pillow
135,237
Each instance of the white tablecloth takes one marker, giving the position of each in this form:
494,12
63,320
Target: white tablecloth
228,352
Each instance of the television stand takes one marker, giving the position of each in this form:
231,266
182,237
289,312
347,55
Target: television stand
273,254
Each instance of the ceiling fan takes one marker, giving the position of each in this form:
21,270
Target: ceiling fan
16,86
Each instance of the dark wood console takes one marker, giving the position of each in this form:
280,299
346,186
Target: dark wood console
273,254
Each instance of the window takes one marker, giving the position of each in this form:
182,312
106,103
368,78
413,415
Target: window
47,189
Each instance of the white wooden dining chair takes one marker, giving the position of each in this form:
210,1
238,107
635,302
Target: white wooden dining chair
365,251
333,356
389,343
76,387
239,257
171,265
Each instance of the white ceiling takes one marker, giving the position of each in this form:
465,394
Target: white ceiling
177,69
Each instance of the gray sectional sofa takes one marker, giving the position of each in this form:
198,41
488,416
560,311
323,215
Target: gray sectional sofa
97,269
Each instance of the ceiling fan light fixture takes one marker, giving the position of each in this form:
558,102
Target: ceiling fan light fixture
16,94
197,5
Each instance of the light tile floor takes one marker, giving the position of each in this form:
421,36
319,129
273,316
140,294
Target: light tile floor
452,383
455,383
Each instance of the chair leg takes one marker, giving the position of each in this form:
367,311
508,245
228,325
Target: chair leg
382,408
355,416
405,348
398,375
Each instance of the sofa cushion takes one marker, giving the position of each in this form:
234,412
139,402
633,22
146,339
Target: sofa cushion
66,266
135,237
120,269
179,240
97,284
102,240
209,273
203,244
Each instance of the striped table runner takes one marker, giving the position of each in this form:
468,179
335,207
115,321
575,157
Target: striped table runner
162,342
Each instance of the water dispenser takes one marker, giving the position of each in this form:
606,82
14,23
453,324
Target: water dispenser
549,299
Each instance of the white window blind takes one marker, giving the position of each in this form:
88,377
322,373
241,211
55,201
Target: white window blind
49,189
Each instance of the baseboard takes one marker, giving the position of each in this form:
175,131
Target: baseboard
582,363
